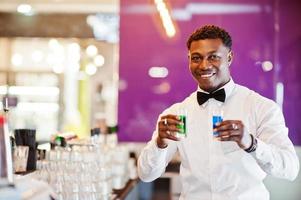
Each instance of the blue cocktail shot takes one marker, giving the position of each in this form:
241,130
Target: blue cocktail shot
215,120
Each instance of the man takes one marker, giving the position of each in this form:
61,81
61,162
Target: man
251,141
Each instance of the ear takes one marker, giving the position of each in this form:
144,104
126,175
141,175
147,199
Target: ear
230,57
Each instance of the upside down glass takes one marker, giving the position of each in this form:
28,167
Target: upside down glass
20,158
27,137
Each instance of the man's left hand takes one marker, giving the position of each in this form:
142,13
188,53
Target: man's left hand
233,130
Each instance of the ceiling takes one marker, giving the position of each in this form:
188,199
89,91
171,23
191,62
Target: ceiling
63,6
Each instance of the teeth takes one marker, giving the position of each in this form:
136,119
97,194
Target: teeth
206,75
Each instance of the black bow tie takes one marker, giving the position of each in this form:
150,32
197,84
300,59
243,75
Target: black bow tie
219,95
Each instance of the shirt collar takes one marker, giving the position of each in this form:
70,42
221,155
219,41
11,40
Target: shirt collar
228,87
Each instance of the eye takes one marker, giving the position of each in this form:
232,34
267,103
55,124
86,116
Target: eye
196,59
214,57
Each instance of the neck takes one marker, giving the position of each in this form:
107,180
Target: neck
212,90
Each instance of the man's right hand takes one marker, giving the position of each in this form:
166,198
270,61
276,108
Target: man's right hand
167,129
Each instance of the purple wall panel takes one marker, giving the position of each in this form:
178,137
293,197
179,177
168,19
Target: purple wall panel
143,45
290,64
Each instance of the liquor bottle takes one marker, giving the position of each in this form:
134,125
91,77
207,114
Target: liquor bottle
112,138
94,134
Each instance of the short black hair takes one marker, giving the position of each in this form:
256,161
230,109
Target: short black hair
210,32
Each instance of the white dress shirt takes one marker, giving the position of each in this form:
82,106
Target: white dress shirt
216,170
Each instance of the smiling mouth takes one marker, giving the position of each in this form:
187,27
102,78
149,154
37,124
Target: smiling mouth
207,75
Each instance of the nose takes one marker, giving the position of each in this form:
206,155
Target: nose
204,64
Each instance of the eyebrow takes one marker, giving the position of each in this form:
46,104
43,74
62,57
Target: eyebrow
210,52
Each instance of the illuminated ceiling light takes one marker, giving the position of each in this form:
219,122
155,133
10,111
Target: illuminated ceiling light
166,18
38,107
52,43
122,85
82,76
109,93
162,88
37,56
17,59
76,67
74,51
90,69
50,59
280,94
3,90
58,69
25,9
267,66
91,20
158,72
74,46
36,90
222,8
55,45
91,50
99,60
105,26
186,13
116,76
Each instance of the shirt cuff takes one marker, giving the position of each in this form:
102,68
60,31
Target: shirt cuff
156,148
262,152
157,154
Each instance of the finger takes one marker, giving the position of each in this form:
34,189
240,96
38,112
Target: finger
224,138
170,116
230,133
172,128
224,127
171,135
238,122
165,132
163,123
227,138
234,138
175,128
172,121
228,126
230,122
169,123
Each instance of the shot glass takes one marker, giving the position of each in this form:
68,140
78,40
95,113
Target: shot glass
182,114
217,117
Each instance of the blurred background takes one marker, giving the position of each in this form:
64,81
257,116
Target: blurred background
59,64
72,65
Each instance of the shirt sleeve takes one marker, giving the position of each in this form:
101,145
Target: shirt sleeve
153,160
275,152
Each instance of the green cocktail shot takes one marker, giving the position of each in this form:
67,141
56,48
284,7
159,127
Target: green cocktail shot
182,127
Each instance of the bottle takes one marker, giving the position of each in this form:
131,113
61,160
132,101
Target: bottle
94,134
60,141
112,138
6,169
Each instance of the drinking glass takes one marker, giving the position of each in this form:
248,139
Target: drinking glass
217,117
20,158
182,114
